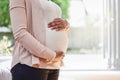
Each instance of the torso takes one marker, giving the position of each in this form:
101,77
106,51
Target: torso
55,40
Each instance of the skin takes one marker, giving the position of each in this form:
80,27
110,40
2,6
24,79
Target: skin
59,56
58,24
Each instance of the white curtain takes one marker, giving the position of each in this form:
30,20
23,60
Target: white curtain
112,33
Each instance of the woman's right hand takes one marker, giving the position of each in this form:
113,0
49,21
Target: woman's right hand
59,24
59,56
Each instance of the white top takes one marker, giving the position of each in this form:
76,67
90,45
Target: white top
55,40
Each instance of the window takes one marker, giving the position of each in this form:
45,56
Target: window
93,40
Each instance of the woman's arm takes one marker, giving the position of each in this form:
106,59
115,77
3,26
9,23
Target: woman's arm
19,24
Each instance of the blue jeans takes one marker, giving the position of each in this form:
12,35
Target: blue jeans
24,72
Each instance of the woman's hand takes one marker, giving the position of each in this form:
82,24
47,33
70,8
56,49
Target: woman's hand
58,24
59,56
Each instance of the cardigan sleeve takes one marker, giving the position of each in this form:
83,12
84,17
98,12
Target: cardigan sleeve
19,26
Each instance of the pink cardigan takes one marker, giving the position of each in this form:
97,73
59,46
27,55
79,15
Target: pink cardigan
28,24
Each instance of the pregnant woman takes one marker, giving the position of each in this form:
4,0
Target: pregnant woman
40,39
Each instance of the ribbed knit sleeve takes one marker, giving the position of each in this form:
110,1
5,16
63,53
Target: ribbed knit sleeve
19,26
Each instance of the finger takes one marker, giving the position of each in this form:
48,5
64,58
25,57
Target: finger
61,26
57,19
58,22
57,27
60,53
54,28
51,25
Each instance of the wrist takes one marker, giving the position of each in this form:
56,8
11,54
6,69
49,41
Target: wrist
67,25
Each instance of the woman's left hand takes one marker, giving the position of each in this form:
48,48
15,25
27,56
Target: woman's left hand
58,24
